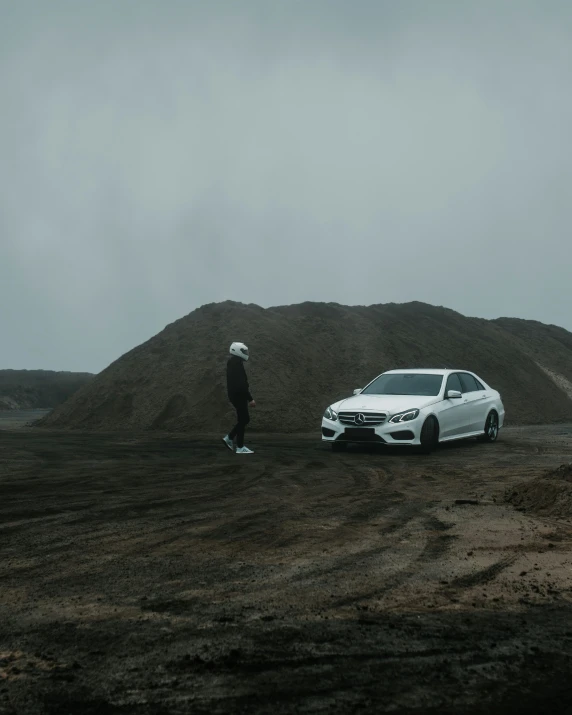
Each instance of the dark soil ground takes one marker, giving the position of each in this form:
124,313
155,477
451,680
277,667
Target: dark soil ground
159,574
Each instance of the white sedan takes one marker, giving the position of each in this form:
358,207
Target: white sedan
416,408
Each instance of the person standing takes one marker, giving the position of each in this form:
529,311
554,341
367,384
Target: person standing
240,397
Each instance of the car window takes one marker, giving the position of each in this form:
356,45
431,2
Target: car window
453,383
480,384
405,384
469,383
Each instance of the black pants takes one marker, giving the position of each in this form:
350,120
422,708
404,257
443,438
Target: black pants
243,418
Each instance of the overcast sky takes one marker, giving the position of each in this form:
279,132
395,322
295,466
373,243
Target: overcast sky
156,155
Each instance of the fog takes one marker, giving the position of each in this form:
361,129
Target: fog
156,156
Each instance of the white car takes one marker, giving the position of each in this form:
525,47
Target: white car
416,408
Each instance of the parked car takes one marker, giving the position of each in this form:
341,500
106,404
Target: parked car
419,408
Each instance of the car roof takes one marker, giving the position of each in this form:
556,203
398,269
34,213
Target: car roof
424,371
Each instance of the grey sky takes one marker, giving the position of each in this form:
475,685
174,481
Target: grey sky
156,156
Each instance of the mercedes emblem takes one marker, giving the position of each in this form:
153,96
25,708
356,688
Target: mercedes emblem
359,419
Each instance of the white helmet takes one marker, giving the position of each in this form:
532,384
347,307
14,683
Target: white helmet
240,350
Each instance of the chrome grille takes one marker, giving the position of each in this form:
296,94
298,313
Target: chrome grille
370,418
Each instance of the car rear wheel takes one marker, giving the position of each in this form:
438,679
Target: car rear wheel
491,428
339,446
429,435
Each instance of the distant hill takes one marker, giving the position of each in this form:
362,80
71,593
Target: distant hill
307,356
38,389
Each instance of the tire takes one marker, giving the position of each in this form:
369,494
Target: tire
429,435
339,446
491,428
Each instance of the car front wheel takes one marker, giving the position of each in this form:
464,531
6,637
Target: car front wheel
429,435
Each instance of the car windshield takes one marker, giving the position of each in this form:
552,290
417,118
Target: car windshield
405,384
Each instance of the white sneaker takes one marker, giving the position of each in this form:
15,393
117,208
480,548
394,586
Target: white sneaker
229,443
244,450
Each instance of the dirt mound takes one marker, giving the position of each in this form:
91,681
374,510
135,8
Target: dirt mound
564,472
304,357
38,389
548,495
549,345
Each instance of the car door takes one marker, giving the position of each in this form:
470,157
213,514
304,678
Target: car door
453,414
476,402
486,403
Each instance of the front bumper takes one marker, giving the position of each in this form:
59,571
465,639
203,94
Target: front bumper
405,433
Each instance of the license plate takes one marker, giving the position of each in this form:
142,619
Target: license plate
359,433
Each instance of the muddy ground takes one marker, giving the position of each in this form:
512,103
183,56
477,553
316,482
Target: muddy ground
160,574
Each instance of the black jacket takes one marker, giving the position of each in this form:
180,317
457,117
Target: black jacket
236,380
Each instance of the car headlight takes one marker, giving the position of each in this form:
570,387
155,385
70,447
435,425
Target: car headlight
405,416
330,414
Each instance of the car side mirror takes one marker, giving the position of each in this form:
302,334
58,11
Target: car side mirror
357,392
454,395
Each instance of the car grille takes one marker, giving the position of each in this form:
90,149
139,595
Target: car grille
369,418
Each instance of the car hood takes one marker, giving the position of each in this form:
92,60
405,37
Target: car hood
392,404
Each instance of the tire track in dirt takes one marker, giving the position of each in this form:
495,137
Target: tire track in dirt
482,576
438,542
